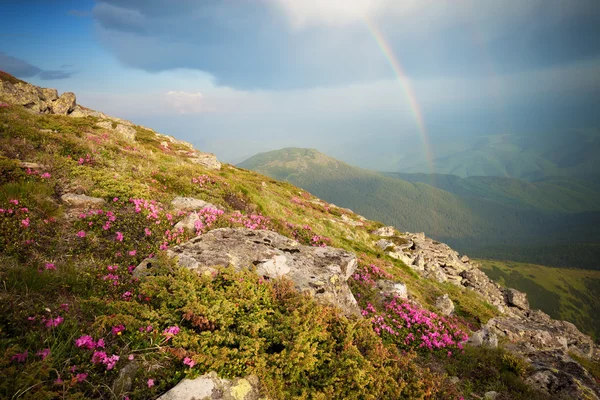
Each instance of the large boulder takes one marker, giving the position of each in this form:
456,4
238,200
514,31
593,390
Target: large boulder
23,94
64,104
211,387
321,271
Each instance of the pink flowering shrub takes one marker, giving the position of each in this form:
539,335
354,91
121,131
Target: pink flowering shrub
411,327
252,221
305,235
204,181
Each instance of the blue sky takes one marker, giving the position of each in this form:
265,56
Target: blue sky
238,77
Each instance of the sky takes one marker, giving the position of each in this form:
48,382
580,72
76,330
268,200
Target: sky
367,81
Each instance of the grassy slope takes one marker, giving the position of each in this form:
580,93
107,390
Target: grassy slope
567,294
482,215
59,284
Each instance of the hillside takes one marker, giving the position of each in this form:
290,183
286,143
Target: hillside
528,156
489,217
134,266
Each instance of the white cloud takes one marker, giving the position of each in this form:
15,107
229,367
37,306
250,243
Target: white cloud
185,102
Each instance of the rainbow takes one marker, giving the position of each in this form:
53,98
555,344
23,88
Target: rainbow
406,87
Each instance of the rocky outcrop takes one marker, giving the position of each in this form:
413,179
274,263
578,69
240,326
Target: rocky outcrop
320,271
529,333
211,387
37,99
207,160
64,104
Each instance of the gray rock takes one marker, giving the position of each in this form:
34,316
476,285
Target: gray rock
444,304
386,231
389,288
483,337
123,382
190,204
49,94
104,124
64,104
517,299
491,395
81,200
208,161
128,132
321,271
211,387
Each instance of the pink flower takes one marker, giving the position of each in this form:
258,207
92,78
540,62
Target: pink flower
98,357
43,353
81,377
25,222
81,234
45,175
116,330
50,266
132,253
189,362
20,357
171,331
14,201
85,341
130,358
115,199
100,344
150,383
127,295
147,231
54,322
119,236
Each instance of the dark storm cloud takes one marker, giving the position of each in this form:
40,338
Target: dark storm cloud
250,45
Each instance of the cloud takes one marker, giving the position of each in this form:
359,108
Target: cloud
185,102
282,44
22,69
17,67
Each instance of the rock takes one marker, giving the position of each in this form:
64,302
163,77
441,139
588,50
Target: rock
126,375
386,231
49,94
104,124
321,271
454,379
483,337
188,222
465,259
31,165
350,221
490,395
207,160
517,299
81,200
444,304
389,288
210,386
23,94
64,104
190,203
128,132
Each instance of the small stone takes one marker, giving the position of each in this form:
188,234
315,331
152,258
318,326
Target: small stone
211,387
190,203
81,200
483,337
207,160
491,395
444,304
386,231
104,124
390,288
